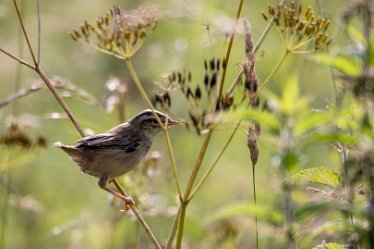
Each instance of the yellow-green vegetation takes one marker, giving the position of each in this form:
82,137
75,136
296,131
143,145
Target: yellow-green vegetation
276,98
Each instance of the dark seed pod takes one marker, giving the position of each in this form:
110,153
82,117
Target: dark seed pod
198,93
167,100
179,77
264,16
189,93
213,80
212,64
206,80
194,120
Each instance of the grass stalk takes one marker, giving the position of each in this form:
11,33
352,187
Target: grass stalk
228,52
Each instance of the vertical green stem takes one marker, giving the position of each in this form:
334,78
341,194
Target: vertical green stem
142,92
186,196
182,218
173,230
255,201
288,213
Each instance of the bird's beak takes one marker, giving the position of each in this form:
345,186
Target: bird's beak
172,122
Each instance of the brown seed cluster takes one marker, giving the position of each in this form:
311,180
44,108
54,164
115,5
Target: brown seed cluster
304,27
251,88
16,137
118,32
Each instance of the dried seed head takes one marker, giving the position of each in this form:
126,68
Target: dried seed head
306,27
253,133
16,137
118,32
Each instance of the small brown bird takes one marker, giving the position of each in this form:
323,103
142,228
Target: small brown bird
118,150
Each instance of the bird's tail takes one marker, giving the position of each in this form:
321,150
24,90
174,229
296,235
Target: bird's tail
71,150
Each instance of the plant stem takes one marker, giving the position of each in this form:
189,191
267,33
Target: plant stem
256,47
288,215
222,82
267,80
255,201
182,218
185,200
142,92
24,32
59,99
197,166
212,166
173,230
139,217
17,59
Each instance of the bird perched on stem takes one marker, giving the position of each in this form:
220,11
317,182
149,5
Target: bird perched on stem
118,150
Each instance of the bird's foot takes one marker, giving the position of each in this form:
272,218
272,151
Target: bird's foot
128,203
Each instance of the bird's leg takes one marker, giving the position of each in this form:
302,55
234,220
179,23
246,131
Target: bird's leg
121,190
127,199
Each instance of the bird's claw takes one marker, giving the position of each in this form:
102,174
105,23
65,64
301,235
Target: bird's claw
128,203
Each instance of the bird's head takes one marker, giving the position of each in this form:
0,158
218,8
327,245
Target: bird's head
147,120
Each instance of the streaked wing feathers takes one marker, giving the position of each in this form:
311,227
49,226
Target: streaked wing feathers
106,140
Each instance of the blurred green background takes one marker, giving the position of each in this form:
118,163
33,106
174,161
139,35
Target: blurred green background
53,205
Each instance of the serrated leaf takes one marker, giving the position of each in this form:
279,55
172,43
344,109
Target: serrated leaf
247,209
321,175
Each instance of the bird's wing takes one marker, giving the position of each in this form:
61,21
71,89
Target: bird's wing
106,140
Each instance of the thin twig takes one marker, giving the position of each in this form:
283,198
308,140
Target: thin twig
139,216
25,33
59,100
39,29
17,59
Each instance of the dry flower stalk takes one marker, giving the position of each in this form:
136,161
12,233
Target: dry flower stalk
118,33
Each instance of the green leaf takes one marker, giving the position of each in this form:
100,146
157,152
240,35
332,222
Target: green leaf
266,119
308,210
321,175
247,209
335,136
330,246
310,120
347,65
